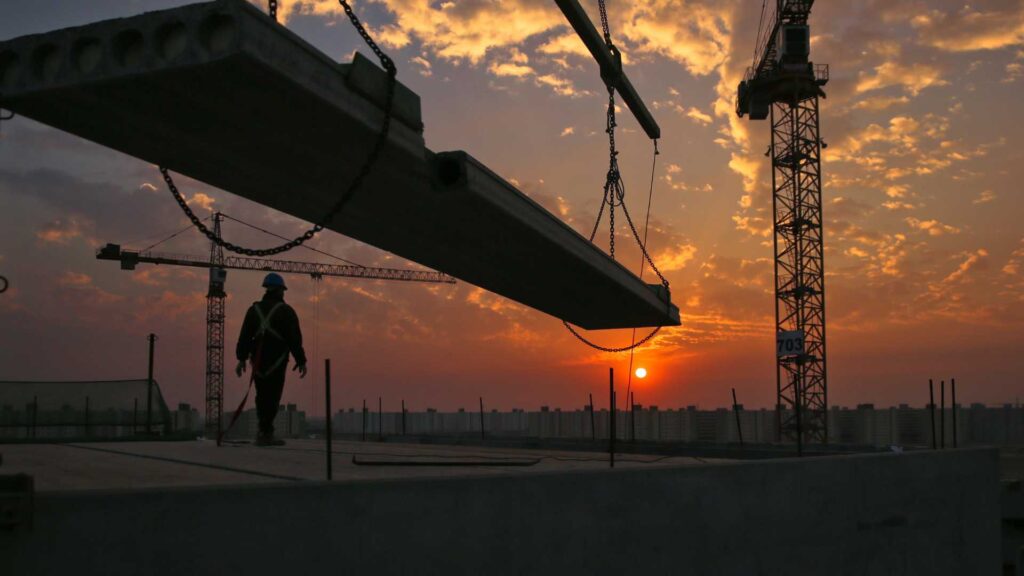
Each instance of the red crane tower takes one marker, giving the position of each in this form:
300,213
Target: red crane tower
784,85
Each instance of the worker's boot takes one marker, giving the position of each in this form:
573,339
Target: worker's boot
267,439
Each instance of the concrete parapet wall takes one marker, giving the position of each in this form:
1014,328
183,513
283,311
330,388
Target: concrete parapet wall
931,513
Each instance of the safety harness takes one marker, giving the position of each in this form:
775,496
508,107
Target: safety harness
257,359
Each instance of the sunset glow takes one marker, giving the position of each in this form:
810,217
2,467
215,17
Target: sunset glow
923,241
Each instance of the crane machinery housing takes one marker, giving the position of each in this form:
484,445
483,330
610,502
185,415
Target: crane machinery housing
785,86
218,265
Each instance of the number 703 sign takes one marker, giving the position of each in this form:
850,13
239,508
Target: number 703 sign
789,343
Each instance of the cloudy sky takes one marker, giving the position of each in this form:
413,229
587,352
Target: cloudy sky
923,207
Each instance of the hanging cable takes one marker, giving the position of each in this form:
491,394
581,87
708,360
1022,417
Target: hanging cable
310,248
760,25
615,195
179,232
378,146
317,278
647,221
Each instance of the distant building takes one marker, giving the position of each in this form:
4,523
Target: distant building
864,425
186,419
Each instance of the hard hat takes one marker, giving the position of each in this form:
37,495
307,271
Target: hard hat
273,280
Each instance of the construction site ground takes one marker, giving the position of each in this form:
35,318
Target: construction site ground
120,465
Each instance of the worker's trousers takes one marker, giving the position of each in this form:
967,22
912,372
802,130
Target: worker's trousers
268,398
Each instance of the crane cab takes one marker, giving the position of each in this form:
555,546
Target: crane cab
794,45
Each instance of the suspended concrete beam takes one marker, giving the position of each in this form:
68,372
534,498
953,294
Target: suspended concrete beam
221,93
611,67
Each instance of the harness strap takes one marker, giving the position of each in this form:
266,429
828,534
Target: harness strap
273,368
265,321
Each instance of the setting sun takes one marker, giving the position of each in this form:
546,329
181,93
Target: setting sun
641,372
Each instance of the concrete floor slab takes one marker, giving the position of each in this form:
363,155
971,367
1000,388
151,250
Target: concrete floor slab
129,465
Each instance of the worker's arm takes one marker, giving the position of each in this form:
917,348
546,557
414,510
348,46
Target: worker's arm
244,347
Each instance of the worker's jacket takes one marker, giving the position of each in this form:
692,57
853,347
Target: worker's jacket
270,331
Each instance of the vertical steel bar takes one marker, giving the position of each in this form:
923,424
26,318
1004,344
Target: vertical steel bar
593,428
327,412
799,400
86,416
149,387
481,417
611,415
380,419
942,414
736,410
363,438
931,410
952,385
403,416
632,418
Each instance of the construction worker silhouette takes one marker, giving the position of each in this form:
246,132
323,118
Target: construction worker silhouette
269,333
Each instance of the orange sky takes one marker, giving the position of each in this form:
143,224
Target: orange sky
924,245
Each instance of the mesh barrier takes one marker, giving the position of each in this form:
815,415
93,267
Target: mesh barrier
106,409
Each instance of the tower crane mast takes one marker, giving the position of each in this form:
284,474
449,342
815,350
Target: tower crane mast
218,264
785,86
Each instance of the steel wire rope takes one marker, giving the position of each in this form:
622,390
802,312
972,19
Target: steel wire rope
371,160
615,195
316,344
647,221
757,42
172,236
310,248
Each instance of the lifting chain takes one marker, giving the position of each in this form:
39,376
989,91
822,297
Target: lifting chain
371,160
615,195
272,9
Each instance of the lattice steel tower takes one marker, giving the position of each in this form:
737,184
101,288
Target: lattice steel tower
215,297
784,85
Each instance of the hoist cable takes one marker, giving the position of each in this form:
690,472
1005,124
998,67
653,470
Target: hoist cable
388,64
179,232
647,221
310,248
316,344
615,195
760,31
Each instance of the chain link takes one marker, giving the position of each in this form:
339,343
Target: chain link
615,195
371,160
604,22
272,9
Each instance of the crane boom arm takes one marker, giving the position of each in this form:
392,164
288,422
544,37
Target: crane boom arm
129,259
